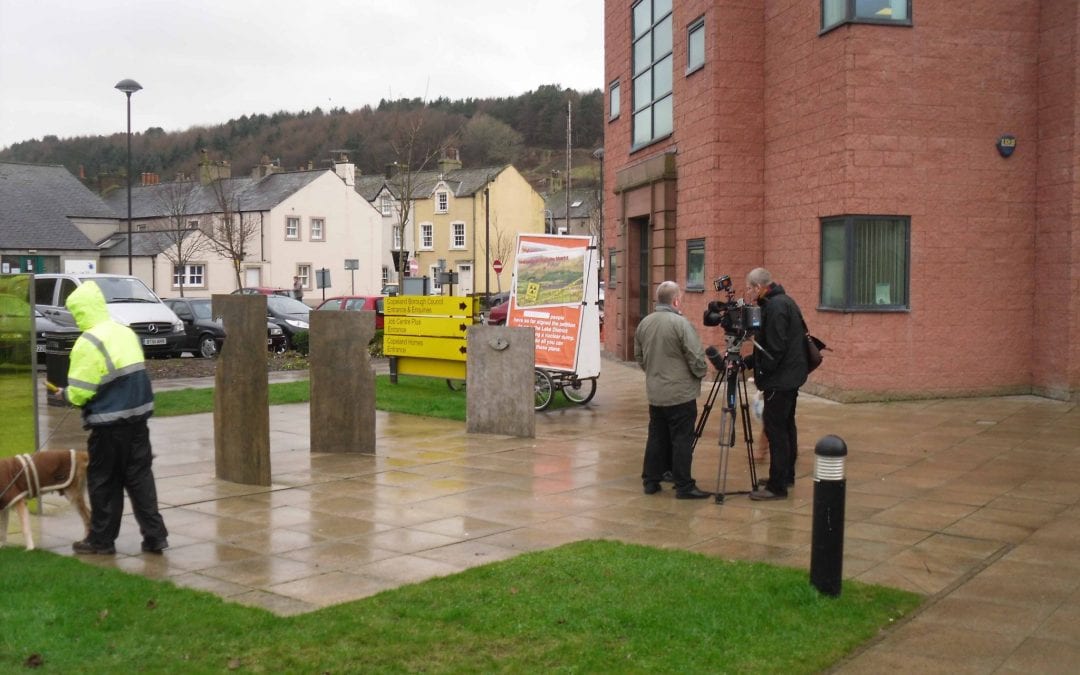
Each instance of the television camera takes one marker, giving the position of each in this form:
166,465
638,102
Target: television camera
738,319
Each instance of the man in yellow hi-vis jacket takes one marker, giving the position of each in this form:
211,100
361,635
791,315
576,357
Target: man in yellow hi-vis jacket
108,380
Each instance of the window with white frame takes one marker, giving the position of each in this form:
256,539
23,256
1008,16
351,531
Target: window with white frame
442,201
397,237
386,206
837,12
613,100
304,272
189,275
695,46
385,274
192,224
427,236
457,235
318,229
292,227
436,286
652,70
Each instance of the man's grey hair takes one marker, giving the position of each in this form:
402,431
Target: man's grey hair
666,292
759,276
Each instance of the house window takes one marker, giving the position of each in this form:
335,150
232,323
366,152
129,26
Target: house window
427,236
397,237
141,227
433,272
318,229
386,206
304,272
292,228
191,274
695,265
865,262
652,71
695,46
385,274
457,239
192,224
837,12
611,268
613,100
442,201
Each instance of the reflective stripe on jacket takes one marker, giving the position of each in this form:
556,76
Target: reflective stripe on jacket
107,377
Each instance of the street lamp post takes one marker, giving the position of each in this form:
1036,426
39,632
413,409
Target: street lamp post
129,87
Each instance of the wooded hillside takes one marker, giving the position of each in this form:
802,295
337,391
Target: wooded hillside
528,131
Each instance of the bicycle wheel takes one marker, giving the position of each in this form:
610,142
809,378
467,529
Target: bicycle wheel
580,391
543,390
455,385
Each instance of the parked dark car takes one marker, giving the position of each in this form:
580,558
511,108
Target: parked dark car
291,315
390,289
204,336
42,325
356,303
262,290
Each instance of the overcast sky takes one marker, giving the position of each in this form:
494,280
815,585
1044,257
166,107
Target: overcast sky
203,62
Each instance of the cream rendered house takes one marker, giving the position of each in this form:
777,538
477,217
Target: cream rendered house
299,222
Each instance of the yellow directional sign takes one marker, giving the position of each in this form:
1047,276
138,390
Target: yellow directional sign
431,326
450,349
429,305
407,365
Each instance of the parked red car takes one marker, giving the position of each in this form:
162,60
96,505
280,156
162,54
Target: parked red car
356,303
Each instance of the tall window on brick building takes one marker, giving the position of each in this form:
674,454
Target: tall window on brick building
865,262
836,12
695,265
652,71
695,46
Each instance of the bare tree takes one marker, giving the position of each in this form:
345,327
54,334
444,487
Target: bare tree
229,235
181,241
502,246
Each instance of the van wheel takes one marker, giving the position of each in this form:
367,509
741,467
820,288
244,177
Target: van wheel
207,347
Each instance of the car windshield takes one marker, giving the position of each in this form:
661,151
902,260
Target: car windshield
201,309
124,289
283,305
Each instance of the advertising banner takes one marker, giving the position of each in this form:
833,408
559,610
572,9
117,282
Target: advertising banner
554,291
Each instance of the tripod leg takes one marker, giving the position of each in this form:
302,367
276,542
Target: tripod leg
748,431
705,410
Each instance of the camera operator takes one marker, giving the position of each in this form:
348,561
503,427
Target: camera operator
780,368
670,352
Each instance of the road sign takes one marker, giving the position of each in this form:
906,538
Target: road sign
431,326
497,266
449,349
414,266
429,305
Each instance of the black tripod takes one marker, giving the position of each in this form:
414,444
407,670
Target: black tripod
731,376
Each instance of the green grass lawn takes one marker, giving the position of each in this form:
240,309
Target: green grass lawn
425,396
594,606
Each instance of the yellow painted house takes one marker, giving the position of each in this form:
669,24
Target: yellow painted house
463,220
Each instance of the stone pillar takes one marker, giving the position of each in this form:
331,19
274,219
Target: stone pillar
342,382
241,392
500,398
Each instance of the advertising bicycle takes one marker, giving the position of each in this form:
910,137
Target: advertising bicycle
555,292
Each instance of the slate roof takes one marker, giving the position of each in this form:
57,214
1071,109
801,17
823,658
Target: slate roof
146,243
37,203
462,182
585,198
250,194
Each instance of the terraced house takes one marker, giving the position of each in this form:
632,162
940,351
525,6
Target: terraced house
907,169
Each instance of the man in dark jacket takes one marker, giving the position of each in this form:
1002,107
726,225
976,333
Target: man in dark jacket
108,380
779,362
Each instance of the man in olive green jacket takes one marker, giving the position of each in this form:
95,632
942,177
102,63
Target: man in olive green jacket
668,349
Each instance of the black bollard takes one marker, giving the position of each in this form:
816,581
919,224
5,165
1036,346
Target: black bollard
393,370
830,489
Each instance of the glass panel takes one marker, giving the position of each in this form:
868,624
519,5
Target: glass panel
642,17
662,118
832,264
832,12
695,51
695,264
879,267
660,8
18,356
643,54
662,77
662,39
643,127
643,95
613,105
880,10
611,268
899,10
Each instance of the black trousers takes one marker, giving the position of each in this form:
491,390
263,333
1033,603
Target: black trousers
120,459
778,418
670,445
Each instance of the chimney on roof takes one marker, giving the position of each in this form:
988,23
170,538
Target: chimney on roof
265,168
345,169
212,171
449,161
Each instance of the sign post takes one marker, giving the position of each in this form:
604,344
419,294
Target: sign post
352,264
497,266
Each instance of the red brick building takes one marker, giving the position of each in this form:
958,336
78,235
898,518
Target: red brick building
860,150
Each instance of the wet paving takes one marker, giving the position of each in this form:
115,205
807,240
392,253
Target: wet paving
970,502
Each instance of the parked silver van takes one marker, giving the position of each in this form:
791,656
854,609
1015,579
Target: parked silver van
129,300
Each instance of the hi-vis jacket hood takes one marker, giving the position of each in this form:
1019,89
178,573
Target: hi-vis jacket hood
87,305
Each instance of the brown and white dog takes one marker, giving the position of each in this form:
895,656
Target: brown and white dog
24,477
